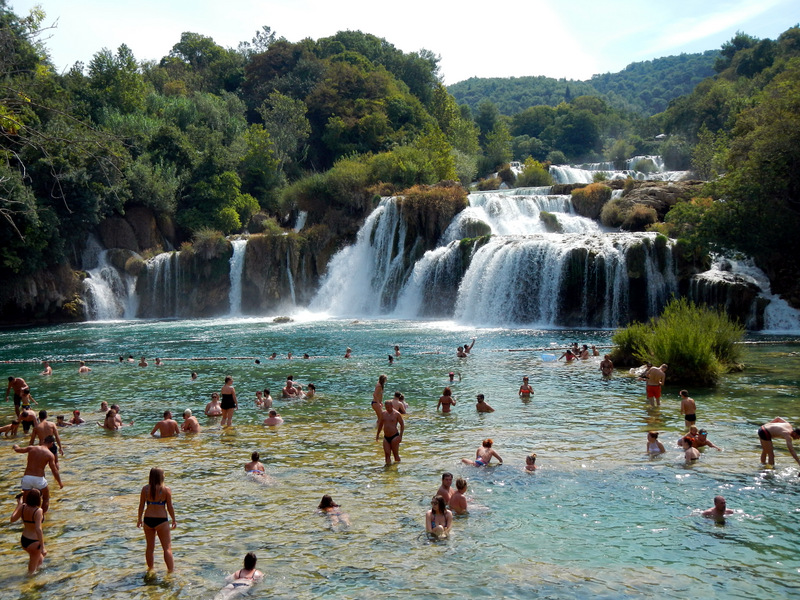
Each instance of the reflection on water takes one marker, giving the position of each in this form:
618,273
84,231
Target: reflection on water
599,518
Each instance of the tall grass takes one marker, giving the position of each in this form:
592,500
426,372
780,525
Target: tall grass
699,344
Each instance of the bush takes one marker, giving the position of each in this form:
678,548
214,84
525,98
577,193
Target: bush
507,176
698,343
645,166
639,218
550,222
557,157
209,243
134,266
613,213
589,201
600,176
534,174
490,183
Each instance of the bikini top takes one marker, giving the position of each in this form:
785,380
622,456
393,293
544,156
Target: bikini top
240,576
24,520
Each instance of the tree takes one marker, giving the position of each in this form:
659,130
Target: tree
115,81
498,145
288,128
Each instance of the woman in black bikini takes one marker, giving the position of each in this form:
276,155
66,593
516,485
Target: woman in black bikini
229,403
239,583
158,500
32,537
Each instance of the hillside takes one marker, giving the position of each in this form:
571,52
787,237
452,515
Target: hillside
644,87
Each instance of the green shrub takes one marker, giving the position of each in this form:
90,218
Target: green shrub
557,157
612,213
639,218
506,175
589,201
534,174
645,165
490,183
600,176
134,265
550,222
209,243
629,182
698,343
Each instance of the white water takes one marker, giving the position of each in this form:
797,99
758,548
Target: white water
291,279
237,268
108,294
779,317
585,173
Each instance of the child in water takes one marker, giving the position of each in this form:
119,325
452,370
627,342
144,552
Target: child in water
530,462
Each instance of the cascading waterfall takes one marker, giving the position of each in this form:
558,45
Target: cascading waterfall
290,278
363,279
585,173
108,294
522,274
236,271
163,276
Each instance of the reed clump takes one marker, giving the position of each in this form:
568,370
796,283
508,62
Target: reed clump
698,343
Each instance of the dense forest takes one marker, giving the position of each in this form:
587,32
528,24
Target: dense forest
644,88
233,140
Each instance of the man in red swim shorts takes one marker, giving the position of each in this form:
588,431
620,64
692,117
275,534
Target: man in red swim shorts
655,377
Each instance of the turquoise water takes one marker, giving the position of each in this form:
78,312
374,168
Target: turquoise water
599,518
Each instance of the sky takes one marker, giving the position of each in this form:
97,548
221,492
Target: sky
573,39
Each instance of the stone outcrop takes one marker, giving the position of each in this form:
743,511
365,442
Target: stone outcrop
49,295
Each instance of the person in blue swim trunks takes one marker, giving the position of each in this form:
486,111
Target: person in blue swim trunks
483,455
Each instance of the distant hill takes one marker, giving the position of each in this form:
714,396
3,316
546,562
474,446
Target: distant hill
644,87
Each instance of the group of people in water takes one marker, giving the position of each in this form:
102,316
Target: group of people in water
156,514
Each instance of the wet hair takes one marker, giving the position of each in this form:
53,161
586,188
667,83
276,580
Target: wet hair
266,392
33,498
796,431
255,456
60,417
461,483
42,415
653,434
250,560
50,439
684,393
447,392
440,504
327,502
382,380
115,407
258,362
15,422
11,378
156,481
531,459
480,397
273,413
167,414
446,474
687,440
228,378
487,443
311,386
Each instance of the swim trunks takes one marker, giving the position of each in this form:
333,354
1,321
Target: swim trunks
764,434
26,425
690,418
654,391
479,462
17,399
33,482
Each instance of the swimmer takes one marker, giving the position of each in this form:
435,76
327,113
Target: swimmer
702,440
655,377
595,351
241,581
272,356
158,362
391,359
306,356
781,428
259,398
530,462
18,385
719,511
110,420
397,351
606,366
83,368
39,457
584,353
76,418
444,489
190,423
399,403
348,353
194,376
28,419
393,426
460,352
446,400
289,390
311,391
43,430
229,403
691,454
167,427
458,501
266,399
438,519
569,355
653,445
32,540
482,405
48,370
273,419
143,362
214,408
155,501
377,397
104,407
329,508
469,347
254,467
483,455
10,430
526,389
688,409
27,399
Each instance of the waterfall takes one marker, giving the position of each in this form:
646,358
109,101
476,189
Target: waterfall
522,274
290,278
108,294
237,269
585,173
364,277
301,221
